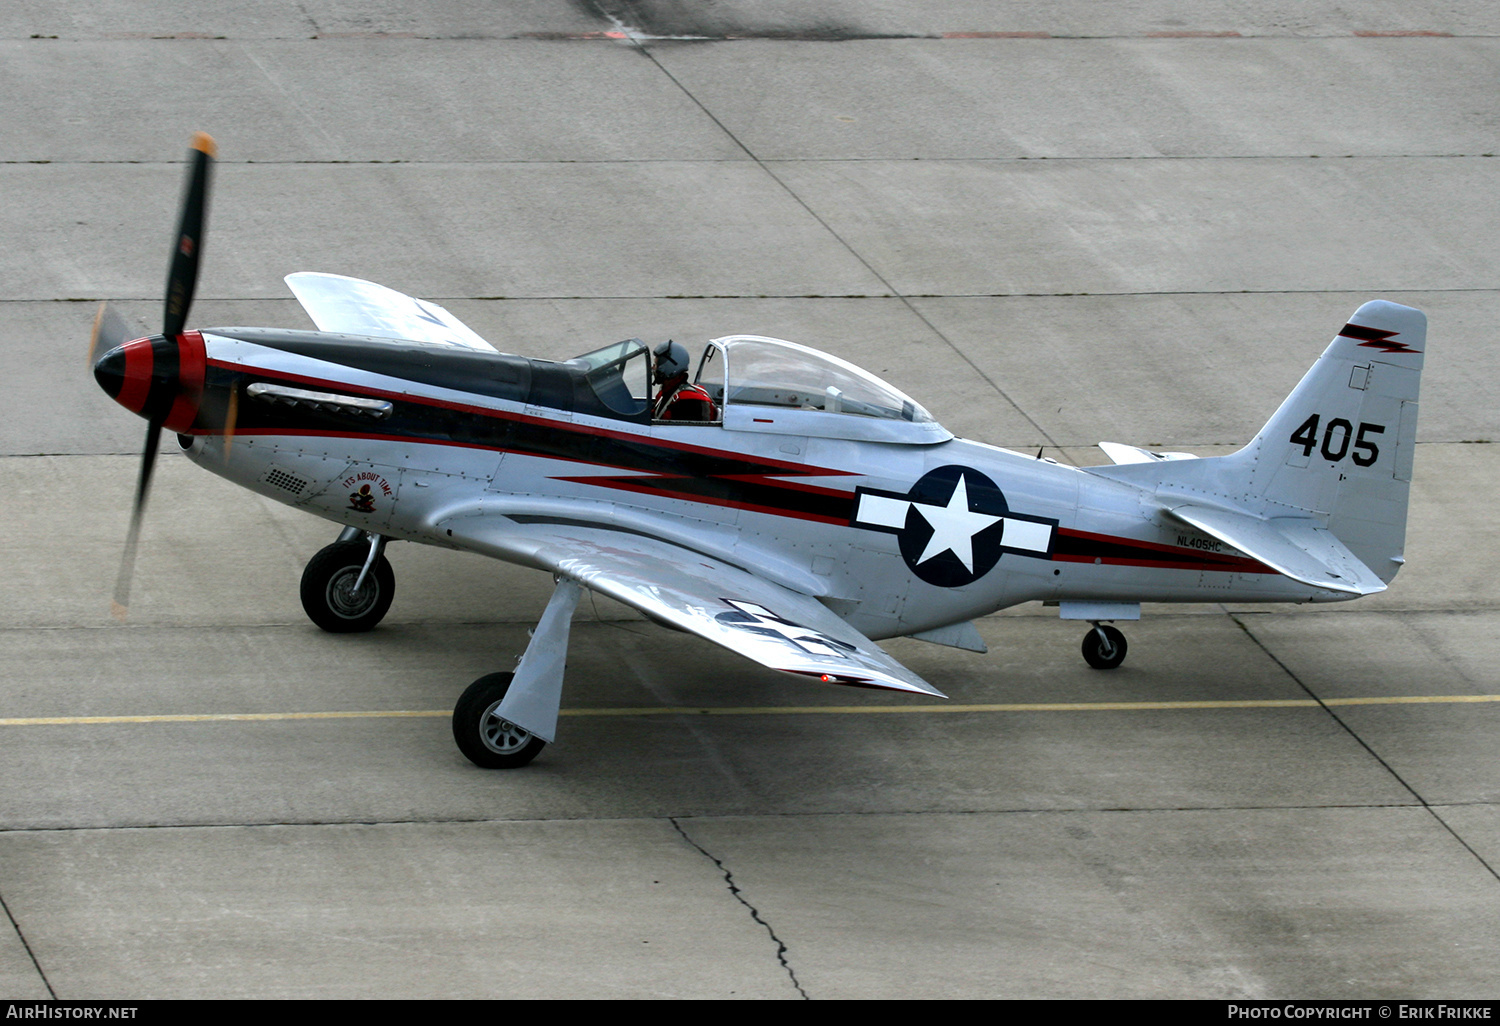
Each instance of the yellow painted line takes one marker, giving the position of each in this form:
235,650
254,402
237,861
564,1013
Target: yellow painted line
1412,700
773,710
55,721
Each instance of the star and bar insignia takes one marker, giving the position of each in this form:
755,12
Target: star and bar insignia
953,525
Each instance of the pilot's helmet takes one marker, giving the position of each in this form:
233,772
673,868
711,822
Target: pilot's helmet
671,360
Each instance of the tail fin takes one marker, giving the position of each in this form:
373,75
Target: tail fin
1337,451
1341,444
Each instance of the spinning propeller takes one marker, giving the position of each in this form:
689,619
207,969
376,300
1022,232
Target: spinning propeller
160,377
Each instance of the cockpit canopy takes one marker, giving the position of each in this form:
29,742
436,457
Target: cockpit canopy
769,385
766,384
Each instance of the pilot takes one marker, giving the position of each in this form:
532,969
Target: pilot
677,399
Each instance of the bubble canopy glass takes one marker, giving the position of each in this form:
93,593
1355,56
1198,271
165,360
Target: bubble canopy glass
766,384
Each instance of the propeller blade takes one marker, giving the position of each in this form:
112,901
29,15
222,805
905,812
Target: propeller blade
121,604
182,280
182,276
110,330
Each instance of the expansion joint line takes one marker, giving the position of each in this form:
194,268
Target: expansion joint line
1240,623
640,46
740,897
27,945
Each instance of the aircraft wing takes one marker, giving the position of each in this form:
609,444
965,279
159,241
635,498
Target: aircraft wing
1300,549
760,619
358,307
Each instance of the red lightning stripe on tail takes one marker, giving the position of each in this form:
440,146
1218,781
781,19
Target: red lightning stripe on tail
1376,338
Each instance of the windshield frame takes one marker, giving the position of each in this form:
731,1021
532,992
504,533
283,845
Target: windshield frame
608,371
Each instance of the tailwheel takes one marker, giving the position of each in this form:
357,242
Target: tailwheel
485,739
1104,647
329,593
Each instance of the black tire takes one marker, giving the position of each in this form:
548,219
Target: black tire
1102,656
328,583
486,740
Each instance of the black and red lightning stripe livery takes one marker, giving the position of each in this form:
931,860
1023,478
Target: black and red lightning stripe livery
812,511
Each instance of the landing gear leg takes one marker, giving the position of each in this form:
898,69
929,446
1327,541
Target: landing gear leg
348,586
503,720
1104,647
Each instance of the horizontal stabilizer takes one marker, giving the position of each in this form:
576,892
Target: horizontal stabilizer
1301,549
1120,453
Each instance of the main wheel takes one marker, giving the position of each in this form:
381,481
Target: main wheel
1104,653
328,593
485,739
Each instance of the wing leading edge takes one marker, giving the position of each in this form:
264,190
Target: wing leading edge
759,619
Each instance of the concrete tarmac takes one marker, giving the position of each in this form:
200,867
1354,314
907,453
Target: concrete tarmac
1051,223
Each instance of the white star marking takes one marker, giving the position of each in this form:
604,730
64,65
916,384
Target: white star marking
954,526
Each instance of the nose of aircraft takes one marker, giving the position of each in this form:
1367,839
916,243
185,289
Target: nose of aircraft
159,378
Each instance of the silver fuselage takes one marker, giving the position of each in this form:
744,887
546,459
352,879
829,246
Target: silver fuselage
792,506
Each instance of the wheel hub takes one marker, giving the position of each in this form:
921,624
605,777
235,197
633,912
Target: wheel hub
344,600
501,736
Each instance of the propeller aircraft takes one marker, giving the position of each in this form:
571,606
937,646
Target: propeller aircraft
784,504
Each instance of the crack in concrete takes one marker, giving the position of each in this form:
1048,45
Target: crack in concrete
27,945
781,949
369,821
311,21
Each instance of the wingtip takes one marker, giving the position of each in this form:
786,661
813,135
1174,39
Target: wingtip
877,682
